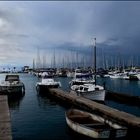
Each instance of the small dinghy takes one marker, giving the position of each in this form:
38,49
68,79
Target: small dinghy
93,126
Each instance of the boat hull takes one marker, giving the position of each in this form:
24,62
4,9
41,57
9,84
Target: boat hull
97,95
43,88
12,89
103,131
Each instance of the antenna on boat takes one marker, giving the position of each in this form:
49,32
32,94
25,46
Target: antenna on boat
95,59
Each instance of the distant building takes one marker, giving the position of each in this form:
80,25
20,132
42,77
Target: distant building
25,68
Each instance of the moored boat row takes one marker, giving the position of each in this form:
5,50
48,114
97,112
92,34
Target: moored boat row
82,84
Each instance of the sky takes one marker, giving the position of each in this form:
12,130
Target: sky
67,29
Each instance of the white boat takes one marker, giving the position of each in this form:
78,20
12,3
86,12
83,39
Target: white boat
84,85
115,76
93,125
90,91
87,87
70,74
119,75
46,83
12,84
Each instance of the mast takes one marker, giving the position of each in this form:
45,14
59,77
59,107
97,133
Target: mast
77,60
38,59
95,59
54,63
44,62
33,64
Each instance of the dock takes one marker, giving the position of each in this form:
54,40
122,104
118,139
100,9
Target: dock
129,120
5,121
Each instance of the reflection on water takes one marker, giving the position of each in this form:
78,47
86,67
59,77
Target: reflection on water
122,86
15,100
43,101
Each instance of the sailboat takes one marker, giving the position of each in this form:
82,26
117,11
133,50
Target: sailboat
88,89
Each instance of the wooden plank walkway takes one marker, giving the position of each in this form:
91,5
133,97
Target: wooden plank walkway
124,118
5,122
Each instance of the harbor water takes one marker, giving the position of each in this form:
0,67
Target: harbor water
38,117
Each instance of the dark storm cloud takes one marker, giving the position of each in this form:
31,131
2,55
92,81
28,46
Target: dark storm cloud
69,26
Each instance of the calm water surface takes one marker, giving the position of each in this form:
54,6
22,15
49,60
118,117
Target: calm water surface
37,117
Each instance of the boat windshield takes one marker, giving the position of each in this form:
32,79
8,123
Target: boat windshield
12,78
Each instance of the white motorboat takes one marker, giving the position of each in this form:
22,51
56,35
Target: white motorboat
84,85
87,87
46,83
12,84
90,91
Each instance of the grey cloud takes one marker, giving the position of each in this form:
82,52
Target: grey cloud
12,35
69,26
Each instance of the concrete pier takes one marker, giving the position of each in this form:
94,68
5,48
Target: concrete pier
121,117
5,123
